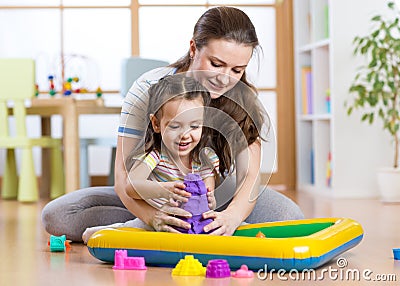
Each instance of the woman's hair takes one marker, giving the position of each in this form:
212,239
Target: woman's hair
236,121
172,87
239,106
227,23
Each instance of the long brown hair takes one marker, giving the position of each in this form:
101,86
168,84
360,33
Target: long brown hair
236,121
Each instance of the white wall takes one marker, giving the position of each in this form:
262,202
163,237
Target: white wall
358,147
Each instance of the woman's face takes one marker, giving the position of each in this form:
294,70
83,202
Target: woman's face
223,63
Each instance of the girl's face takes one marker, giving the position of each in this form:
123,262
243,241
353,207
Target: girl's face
180,125
223,63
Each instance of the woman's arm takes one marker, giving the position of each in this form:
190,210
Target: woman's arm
139,208
209,182
242,204
159,219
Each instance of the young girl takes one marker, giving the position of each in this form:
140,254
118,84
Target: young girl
174,145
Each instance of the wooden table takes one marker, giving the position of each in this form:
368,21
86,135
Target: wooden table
70,109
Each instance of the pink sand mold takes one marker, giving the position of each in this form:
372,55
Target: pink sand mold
123,262
396,253
243,272
218,268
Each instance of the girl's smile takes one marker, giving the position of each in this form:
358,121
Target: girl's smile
180,125
183,146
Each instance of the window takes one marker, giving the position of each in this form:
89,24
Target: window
94,36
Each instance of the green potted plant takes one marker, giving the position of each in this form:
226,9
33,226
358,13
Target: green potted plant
376,90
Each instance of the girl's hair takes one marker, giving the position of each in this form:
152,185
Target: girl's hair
236,122
227,23
172,87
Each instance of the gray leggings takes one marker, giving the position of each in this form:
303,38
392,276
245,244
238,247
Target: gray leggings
72,213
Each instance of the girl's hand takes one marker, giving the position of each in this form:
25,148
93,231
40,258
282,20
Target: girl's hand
212,202
168,216
175,191
224,223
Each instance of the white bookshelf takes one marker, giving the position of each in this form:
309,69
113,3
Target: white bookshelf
313,123
357,149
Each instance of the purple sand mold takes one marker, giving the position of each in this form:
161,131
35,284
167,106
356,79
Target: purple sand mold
218,268
196,205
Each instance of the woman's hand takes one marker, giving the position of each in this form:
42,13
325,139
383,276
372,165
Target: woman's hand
224,223
175,191
212,202
168,216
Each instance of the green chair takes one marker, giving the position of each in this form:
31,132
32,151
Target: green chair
17,84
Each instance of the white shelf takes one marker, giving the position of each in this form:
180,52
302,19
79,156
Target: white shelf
313,46
313,80
311,117
324,45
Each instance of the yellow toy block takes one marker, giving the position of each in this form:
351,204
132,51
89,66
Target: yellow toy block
189,266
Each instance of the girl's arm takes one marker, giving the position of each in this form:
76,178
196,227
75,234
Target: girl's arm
139,187
160,220
242,204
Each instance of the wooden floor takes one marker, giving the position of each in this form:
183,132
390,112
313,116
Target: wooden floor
26,260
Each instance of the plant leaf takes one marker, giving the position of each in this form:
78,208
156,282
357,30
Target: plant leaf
381,114
371,118
349,111
364,117
376,18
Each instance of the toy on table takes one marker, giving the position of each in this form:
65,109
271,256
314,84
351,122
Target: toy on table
52,89
196,205
67,86
58,243
99,92
218,268
243,272
36,90
123,262
189,266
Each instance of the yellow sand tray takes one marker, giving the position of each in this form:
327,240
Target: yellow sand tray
298,244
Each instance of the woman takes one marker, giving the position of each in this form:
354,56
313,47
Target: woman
223,43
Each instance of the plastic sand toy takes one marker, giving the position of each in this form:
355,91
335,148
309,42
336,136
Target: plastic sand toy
189,266
123,262
218,268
